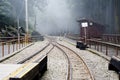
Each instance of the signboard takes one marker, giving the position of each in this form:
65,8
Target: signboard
84,24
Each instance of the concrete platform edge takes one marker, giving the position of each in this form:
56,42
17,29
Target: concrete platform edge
99,54
93,51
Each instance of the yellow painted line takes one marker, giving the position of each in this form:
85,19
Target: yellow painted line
26,70
15,72
20,72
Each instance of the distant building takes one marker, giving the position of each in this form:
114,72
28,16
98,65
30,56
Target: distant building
93,29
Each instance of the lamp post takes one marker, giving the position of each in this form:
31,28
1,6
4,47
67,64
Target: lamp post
26,18
18,24
85,25
35,23
18,31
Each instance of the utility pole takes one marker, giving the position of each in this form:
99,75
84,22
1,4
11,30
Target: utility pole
18,31
26,19
35,23
18,25
85,25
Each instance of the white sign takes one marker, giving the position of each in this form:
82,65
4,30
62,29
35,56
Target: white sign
84,24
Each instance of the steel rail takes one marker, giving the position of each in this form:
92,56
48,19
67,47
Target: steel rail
69,73
37,60
89,72
23,60
28,58
42,55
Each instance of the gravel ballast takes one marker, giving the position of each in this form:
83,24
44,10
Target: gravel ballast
57,67
97,64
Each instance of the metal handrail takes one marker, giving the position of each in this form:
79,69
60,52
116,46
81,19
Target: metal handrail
99,46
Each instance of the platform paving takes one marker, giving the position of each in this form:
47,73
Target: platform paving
7,69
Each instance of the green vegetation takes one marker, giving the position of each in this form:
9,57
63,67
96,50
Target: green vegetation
13,11
8,22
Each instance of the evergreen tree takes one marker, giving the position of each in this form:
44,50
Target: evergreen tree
8,17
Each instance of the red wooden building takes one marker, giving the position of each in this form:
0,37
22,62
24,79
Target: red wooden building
91,29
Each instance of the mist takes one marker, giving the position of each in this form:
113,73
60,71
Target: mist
62,15
56,18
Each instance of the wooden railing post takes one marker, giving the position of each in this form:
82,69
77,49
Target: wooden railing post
13,46
97,46
90,43
106,50
101,48
116,51
22,42
2,49
8,47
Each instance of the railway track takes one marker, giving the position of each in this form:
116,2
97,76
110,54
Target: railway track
37,57
97,62
77,68
24,58
31,66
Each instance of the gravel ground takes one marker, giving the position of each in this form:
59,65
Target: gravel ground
27,52
97,65
79,69
57,67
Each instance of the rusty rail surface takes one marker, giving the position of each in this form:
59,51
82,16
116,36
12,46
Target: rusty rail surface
10,45
70,62
110,49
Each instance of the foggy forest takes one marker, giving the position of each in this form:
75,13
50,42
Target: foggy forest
58,16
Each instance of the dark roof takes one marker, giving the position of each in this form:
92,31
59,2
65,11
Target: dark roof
84,20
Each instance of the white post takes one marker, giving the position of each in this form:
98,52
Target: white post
18,31
26,19
35,23
26,14
85,25
85,32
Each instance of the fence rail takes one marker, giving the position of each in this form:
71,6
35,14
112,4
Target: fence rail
113,38
110,49
109,44
10,45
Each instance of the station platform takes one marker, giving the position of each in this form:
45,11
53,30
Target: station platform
27,71
19,71
7,69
